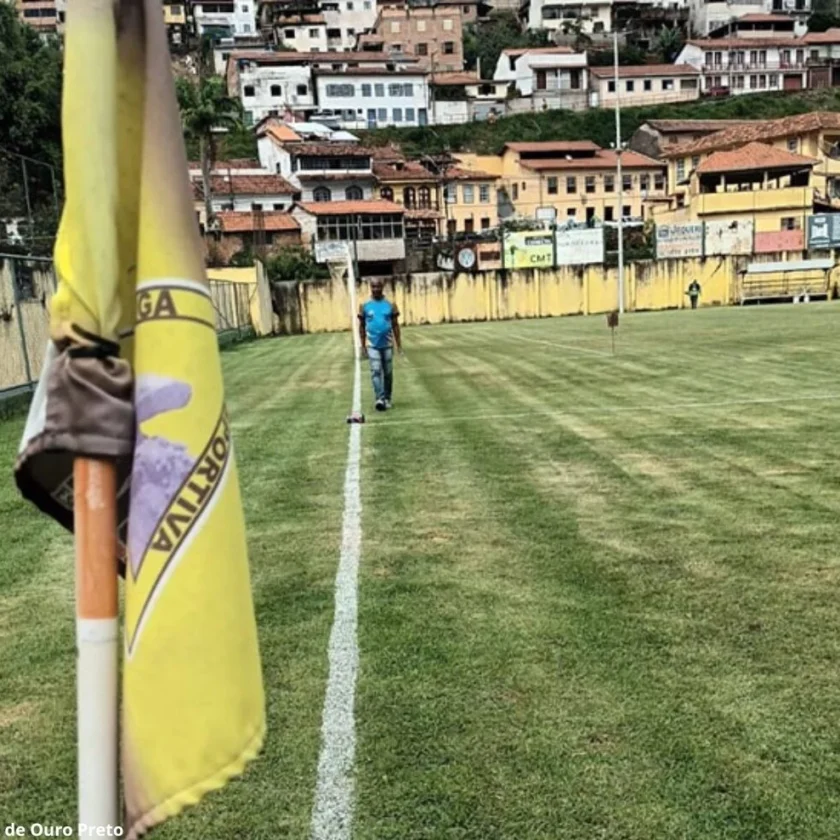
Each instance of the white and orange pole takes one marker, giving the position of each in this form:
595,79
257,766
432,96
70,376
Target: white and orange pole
97,638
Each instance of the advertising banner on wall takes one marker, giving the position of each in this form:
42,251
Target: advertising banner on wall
489,256
580,246
776,241
679,240
725,238
824,231
529,249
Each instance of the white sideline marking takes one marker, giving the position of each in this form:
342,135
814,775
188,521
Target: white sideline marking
663,407
332,812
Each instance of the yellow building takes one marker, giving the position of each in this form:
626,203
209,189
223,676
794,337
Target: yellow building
470,200
175,18
815,136
768,188
572,180
409,183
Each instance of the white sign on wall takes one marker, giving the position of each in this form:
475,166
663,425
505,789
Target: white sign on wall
733,237
580,246
681,240
331,252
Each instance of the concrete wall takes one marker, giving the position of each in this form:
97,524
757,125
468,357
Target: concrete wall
491,296
26,313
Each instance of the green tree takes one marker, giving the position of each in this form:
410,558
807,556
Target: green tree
30,120
485,40
582,41
294,263
205,109
823,21
669,43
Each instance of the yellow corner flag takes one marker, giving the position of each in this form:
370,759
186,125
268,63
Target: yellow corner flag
133,374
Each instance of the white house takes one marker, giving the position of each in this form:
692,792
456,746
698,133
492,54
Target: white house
710,15
645,84
747,65
553,77
595,16
302,33
274,83
269,83
225,18
373,97
321,170
224,47
346,20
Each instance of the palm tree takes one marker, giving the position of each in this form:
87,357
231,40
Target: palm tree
205,109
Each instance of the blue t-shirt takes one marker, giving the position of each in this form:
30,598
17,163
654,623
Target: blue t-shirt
379,317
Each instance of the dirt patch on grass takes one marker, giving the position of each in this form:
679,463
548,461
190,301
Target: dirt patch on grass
10,715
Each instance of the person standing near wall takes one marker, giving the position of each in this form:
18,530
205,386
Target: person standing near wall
379,331
694,293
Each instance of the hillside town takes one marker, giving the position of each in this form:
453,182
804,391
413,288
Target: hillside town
312,78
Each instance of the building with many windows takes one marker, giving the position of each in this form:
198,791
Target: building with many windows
224,18
470,199
647,84
748,65
339,22
594,16
44,15
433,35
373,230
350,87
571,180
416,188
362,98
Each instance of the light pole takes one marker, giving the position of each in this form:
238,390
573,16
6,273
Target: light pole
619,176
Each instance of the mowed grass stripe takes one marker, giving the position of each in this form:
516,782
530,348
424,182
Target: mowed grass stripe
673,615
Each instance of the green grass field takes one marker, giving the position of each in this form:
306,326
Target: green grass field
598,595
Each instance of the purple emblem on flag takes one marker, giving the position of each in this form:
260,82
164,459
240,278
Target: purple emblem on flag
160,466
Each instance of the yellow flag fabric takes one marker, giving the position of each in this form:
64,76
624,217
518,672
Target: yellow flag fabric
133,373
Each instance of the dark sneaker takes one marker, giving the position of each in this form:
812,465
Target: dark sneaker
381,405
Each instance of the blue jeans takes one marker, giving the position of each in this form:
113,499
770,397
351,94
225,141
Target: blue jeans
381,371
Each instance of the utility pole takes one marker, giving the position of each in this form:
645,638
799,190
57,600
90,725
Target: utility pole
619,176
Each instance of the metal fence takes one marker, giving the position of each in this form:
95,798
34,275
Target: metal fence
26,284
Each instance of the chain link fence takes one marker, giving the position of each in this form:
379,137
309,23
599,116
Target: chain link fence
26,285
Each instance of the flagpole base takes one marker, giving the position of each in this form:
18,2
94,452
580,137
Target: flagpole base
97,640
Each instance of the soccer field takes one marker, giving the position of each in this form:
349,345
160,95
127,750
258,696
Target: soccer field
598,595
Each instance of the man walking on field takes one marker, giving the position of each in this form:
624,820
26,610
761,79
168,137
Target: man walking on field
379,330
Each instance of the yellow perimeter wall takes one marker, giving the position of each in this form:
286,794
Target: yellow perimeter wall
435,298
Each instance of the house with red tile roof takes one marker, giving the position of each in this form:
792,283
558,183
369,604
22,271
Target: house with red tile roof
814,135
761,190
373,230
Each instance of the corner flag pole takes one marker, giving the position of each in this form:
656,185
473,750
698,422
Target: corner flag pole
95,518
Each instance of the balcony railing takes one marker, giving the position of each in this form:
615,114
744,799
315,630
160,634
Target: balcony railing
799,198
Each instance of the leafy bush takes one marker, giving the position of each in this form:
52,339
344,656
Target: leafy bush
294,263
